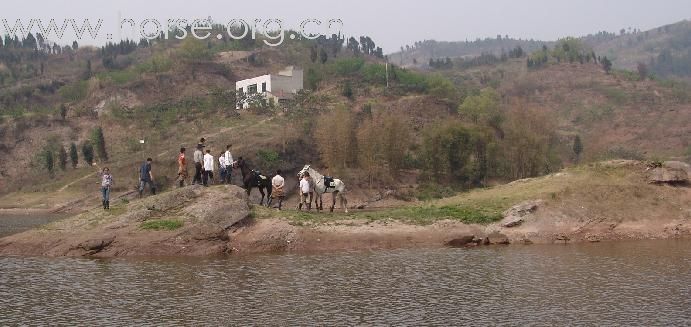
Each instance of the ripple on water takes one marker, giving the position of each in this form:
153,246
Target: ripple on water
640,283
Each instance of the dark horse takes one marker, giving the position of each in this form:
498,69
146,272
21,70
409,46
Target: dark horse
252,179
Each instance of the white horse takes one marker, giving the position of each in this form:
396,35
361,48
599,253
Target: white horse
337,189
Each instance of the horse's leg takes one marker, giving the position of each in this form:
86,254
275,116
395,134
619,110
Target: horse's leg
333,200
344,202
320,207
261,190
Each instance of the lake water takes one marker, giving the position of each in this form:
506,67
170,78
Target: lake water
627,283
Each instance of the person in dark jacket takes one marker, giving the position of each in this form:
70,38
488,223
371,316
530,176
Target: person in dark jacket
146,177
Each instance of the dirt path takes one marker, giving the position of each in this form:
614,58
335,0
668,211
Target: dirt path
62,189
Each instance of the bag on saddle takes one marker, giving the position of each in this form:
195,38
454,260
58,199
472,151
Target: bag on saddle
329,182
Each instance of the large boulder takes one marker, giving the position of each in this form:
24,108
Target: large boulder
515,215
671,172
461,241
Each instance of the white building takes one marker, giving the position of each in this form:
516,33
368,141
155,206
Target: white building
276,87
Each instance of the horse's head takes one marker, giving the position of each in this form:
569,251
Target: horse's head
302,172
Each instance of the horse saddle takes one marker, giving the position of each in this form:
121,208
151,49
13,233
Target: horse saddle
329,182
260,178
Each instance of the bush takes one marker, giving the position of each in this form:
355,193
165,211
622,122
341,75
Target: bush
349,66
74,92
161,224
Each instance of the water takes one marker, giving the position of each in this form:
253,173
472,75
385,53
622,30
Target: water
16,223
628,283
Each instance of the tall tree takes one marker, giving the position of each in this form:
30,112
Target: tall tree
606,64
74,155
88,152
577,148
99,140
48,157
62,158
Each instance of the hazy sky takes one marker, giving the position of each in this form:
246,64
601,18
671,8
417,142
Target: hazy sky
390,24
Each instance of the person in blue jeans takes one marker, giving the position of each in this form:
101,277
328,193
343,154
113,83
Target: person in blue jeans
106,184
146,177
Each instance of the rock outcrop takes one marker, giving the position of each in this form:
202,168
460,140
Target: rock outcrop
671,172
193,220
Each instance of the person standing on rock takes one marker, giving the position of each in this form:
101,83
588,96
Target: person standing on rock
222,169
146,176
208,168
106,184
182,168
304,191
228,157
277,184
198,164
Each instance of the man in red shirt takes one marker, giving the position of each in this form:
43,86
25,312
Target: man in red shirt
182,168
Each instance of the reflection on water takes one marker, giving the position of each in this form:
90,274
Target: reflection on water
639,283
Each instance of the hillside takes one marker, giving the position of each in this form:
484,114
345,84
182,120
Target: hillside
429,134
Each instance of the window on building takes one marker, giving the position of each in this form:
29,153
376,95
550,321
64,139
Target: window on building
264,87
241,90
252,89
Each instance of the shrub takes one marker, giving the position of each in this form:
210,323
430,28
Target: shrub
74,92
161,224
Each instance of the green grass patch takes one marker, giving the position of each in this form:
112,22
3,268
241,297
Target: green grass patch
161,224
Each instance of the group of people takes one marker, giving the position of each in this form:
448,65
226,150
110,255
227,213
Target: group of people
306,188
204,164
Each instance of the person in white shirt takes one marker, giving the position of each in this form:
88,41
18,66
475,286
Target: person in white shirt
277,184
304,191
228,157
222,169
208,168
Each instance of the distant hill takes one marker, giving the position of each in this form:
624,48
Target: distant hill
421,52
664,50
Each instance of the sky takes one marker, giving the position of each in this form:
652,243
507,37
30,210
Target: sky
391,24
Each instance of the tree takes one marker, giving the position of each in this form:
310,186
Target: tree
88,152
335,138
642,71
62,158
482,107
577,147
323,56
74,156
63,111
347,90
99,140
48,156
75,45
606,64
313,54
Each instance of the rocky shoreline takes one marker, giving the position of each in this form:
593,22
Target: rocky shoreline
613,202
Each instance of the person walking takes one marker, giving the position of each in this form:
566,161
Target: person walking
106,184
304,190
208,168
277,184
146,176
182,168
198,164
229,165
222,169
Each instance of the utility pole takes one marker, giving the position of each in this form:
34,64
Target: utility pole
387,74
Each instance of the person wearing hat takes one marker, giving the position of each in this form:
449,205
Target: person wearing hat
198,162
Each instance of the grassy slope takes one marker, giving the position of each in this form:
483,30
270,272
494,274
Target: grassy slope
614,191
